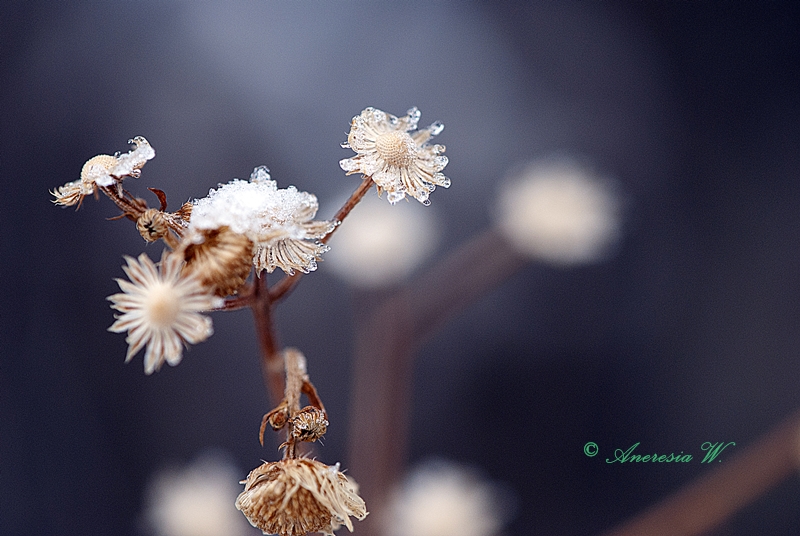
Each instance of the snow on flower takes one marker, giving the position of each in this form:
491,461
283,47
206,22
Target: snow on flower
279,222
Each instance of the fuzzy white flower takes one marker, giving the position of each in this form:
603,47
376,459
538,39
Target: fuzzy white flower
105,170
558,211
442,499
161,309
379,247
277,221
195,501
396,155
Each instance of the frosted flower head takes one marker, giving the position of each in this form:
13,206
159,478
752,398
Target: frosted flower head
443,499
296,496
558,211
380,247
277,221
396,154
105,170
161,309
195,501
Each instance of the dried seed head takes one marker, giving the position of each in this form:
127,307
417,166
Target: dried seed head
220,257
296,496
309,424
152,225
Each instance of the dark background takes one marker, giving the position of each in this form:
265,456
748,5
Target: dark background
689,334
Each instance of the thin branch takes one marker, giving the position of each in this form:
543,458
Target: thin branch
271,361
287,284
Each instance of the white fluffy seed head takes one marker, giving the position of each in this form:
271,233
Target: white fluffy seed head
558,211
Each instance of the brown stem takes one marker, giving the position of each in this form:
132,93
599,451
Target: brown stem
271,362
243,299
296,378
287,284
713,498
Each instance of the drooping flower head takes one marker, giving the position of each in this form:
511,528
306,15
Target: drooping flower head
277,221
161,309
396,154
296,496
105,170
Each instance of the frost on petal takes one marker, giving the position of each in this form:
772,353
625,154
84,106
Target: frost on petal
131,162
558,211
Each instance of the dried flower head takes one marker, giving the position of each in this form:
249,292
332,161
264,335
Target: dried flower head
161,310
220,258
278,221
105,170
296,496
396,155
559,211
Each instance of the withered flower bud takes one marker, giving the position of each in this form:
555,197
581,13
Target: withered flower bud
309,424
296,496
152,225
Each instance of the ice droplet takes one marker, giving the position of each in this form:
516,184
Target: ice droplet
441,180
413,117
436,128
439,162
344,145
395,197
438,149
261,173
349,165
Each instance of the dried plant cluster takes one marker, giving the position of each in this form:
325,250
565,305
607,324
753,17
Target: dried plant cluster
216,250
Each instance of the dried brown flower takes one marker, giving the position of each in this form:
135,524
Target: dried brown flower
296,496
220,258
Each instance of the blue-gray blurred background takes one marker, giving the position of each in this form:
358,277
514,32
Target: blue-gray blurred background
689,334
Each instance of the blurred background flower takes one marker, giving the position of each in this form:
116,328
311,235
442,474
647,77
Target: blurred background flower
196,500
